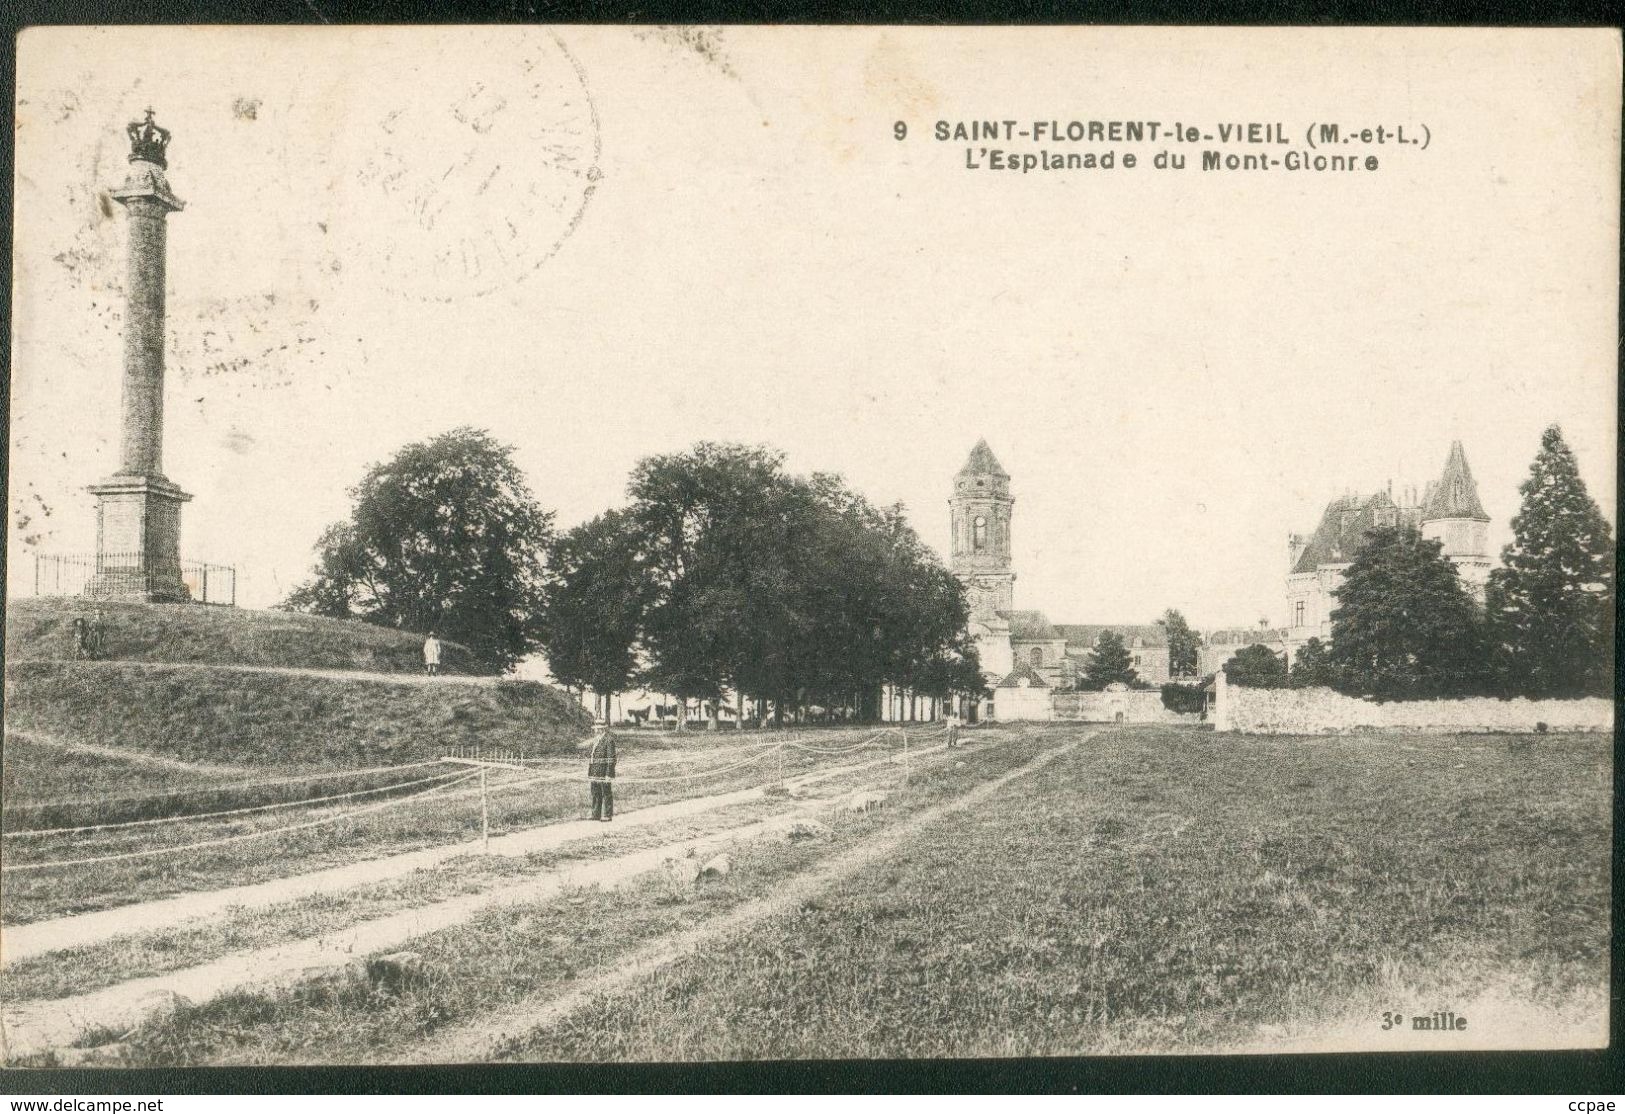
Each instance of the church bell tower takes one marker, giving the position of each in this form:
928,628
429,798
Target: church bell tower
980,550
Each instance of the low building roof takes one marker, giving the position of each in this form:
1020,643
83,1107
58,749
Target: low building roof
1343,528
1031,625
1021,672
1245,636
1085,635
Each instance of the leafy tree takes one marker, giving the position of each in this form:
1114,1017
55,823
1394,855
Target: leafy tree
1313,666
1405,627
716,588
1110,662
1186,699
787,589
1551,604
955,672
1183,644
1258,667
596,593
444,536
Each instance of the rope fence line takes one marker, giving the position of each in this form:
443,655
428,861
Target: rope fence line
848,749
441,788
496,759
226,812
12,869
752,760
228,787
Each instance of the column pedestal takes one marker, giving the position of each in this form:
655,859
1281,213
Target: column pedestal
138,540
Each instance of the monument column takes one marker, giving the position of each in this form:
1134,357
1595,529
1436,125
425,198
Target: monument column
138,509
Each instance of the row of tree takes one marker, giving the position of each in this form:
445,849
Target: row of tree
723,576
1406,626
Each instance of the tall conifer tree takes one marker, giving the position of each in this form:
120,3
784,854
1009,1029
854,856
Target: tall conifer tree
1551,604
1110,662
1183,644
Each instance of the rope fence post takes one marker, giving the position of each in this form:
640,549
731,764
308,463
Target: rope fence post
485,816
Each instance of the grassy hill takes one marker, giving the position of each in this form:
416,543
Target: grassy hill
166,712
40,629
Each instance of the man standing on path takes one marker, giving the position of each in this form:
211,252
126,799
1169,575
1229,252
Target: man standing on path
431,655
601,772
953,727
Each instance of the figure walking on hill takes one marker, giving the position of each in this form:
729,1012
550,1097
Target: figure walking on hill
431,655
601,772
98,635
81,637
953,727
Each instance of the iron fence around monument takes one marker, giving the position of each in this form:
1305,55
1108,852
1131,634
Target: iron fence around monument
70,574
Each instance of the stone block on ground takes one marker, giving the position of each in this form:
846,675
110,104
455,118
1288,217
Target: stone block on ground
684,871
719,867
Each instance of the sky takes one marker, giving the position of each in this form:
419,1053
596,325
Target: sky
601,244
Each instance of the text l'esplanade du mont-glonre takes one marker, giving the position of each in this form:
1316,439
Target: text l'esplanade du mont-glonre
1260,146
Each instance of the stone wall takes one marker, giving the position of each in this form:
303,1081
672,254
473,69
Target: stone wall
1022,704
1321,711
1135,706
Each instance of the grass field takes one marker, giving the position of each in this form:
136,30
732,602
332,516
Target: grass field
505,957
38,894
42,629
269,721
81,969
41,769
173,708
1151,890
1168,891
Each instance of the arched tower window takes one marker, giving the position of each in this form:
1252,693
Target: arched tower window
979,532
1458,491
1037,657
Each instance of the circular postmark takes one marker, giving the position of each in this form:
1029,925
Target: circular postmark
473,175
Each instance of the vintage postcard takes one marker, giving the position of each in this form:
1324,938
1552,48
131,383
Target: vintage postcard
735,543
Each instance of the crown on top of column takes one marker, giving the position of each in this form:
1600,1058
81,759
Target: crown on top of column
146,182
148,142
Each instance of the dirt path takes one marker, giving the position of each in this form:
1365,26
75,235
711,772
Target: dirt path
24,941
152,761
483,1040
35,1026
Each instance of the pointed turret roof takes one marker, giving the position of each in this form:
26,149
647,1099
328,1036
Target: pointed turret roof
1456,494
982,462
